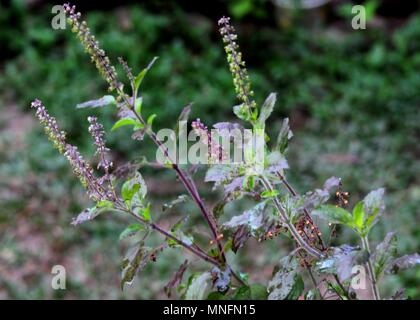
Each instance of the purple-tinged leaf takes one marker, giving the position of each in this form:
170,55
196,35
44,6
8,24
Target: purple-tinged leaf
341,260
104,101
220,174
281,285
183,119
267,108
276,162
235,185
138,134
374,206
239,238
313,199
284,136
227,126
385,252
253,218
399,295
176,278
404,262
221,279
86,215
332,183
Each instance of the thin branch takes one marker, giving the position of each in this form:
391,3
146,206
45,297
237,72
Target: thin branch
310,250
188,183
371,271
346,292
305,211
198,252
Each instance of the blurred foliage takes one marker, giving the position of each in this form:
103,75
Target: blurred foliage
352,97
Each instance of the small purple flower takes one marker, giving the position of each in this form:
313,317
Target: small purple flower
216,153
50,125
97,131
95,187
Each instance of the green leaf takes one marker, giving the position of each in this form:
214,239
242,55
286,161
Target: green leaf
133,264
138,105
134,191
128,190
242,112
359,216
248,183
370,8
139,78
146,214
253,292
131,230
258,292
243,293
124,122
335,215
138,126
104,101
216,295
106,204
297,288
269,193
198,287
150,119
267,108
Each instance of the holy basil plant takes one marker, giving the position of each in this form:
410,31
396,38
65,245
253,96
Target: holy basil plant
312,270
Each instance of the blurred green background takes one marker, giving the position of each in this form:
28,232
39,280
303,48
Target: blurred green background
353,98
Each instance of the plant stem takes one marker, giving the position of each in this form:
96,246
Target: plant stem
189,185
311,251
342,287
311,275
196,250
370,269
154,226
